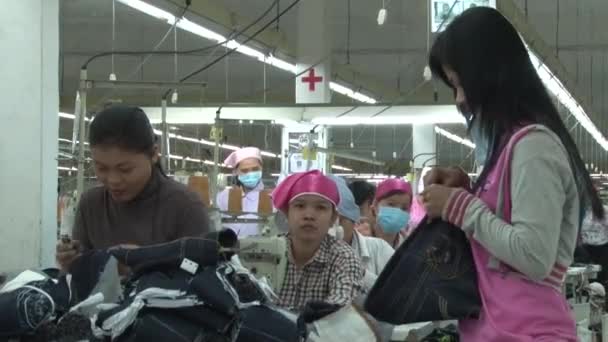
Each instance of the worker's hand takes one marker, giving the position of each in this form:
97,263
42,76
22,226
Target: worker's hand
453,177
435,198
364,228
66,252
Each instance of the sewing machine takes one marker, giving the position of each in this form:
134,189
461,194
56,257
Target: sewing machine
265,256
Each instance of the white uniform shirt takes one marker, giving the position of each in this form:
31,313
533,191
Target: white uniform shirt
250,205
374,254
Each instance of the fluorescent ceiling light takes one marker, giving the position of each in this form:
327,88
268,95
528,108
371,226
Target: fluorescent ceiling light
558,90
200,31
203,32
182,138
386,120
70,116
62,168
362,175
150,10
340,168
70,141
194,160
281,64
454,137
340,89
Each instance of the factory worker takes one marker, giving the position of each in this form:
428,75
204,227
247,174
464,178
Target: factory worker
373,252
364,193
391,209
247,167
320,267
136,204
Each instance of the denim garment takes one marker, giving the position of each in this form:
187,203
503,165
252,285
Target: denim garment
263,323
165,325
24,310
431,277
204,252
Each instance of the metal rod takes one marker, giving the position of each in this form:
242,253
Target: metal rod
82,134
350,156
164,144
102,84
216,157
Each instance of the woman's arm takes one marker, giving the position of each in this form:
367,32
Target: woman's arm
542,192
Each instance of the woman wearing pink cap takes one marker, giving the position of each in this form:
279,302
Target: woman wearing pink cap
320,267
247,167
391,209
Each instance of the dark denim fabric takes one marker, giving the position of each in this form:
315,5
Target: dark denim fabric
165,325
265,324
23,310
86,271
205,252
431,277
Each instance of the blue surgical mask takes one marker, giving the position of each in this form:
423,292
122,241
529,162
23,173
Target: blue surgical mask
251,179
480,141
392,220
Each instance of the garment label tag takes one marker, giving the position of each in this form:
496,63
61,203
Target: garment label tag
189,266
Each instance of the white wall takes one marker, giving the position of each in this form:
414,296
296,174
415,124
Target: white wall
29,36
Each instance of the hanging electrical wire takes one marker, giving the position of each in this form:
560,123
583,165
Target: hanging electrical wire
154,50
348,28
263,28
113,73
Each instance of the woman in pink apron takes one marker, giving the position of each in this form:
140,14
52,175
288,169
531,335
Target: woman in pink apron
523,214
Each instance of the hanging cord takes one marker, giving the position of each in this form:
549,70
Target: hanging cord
113,32
152,52
348,28
175,54
577,41
557,30
196,72
278,28
147,54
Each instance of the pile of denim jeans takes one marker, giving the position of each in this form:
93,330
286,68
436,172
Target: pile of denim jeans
38,306
187,290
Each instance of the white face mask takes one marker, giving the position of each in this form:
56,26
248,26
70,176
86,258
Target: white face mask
336,231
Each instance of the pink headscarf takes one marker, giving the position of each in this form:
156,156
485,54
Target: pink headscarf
241,154
391,185
305,183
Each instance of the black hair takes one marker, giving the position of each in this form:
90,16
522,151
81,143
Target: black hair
126,127
501,84
362,191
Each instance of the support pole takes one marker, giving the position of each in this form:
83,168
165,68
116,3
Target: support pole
216,157
82,133
164,145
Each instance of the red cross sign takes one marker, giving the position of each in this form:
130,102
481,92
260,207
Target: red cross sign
312,80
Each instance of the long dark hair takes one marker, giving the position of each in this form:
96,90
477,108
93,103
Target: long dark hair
125,127
501,83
